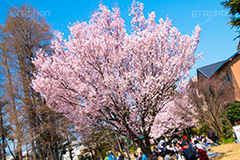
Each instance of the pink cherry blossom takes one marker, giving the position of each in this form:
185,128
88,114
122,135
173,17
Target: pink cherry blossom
104,76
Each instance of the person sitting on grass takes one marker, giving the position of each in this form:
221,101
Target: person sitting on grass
202,155
199,145
189,151
207,142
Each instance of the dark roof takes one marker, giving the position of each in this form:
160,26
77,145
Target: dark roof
229,59
208,70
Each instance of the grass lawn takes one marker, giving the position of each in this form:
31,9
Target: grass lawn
229,151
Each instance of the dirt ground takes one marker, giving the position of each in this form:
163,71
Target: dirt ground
229,151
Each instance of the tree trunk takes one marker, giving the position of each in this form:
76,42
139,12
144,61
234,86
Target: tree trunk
70,153
33,147
51,153
28,102
40,151
56,151
3,148
128,154
1,151
69,147
15,115
145,149
93,154
27,154
11,152
3,133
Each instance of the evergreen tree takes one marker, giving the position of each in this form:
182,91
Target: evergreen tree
234,12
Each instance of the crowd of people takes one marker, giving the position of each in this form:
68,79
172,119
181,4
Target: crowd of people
186,149
194,148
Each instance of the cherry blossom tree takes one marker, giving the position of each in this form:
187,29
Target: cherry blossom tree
103,76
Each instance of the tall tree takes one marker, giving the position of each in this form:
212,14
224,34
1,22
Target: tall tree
9,87
234,12
23,33
104,76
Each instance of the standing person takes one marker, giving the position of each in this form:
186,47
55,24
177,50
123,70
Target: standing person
236,122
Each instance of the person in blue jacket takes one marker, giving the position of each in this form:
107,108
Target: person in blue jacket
143,156
110,156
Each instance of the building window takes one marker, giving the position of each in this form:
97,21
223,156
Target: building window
228,78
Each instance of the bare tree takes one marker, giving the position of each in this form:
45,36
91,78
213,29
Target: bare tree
9,89
211,98
23,33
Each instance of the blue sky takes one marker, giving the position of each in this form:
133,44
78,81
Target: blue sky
216,37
